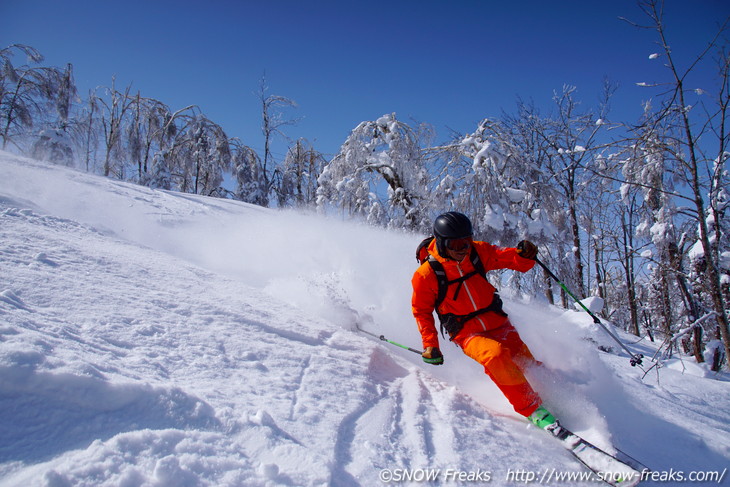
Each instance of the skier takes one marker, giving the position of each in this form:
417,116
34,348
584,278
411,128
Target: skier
451,280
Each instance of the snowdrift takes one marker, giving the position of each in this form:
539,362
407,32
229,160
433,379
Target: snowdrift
157,338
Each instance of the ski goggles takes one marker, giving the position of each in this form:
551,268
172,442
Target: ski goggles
458,244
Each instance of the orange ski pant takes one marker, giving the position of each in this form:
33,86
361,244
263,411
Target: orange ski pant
500,351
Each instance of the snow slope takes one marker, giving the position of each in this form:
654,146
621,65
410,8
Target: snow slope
163,339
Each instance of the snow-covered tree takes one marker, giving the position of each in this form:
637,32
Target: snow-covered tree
694,136
29,95
160,176
299,172
646,171
626,247
512,199
378,175
272,121
198,155
114,111
572,137
251,185
150,130
87,124
210,155
55,144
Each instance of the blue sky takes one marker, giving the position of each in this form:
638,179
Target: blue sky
446,63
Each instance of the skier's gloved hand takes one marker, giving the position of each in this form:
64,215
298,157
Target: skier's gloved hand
433,356
527,249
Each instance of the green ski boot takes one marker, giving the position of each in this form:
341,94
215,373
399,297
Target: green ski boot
542,418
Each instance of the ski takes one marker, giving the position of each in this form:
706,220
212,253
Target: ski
618,470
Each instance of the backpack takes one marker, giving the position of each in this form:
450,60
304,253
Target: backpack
450,322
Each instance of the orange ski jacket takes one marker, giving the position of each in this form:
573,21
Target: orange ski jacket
476,292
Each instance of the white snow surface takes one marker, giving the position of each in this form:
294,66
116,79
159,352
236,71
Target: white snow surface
152,338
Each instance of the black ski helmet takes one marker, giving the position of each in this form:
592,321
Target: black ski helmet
450,225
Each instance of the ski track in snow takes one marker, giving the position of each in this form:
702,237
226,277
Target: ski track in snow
154,338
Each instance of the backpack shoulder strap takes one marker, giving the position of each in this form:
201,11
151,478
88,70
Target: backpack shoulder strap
477,262
440,273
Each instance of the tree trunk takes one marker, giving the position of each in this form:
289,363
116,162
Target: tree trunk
548,287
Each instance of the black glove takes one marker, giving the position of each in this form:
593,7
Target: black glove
527,249
433,356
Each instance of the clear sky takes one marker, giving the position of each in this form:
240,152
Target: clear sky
446,63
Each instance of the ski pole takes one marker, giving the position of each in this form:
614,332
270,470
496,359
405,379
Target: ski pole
382,338
635,358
